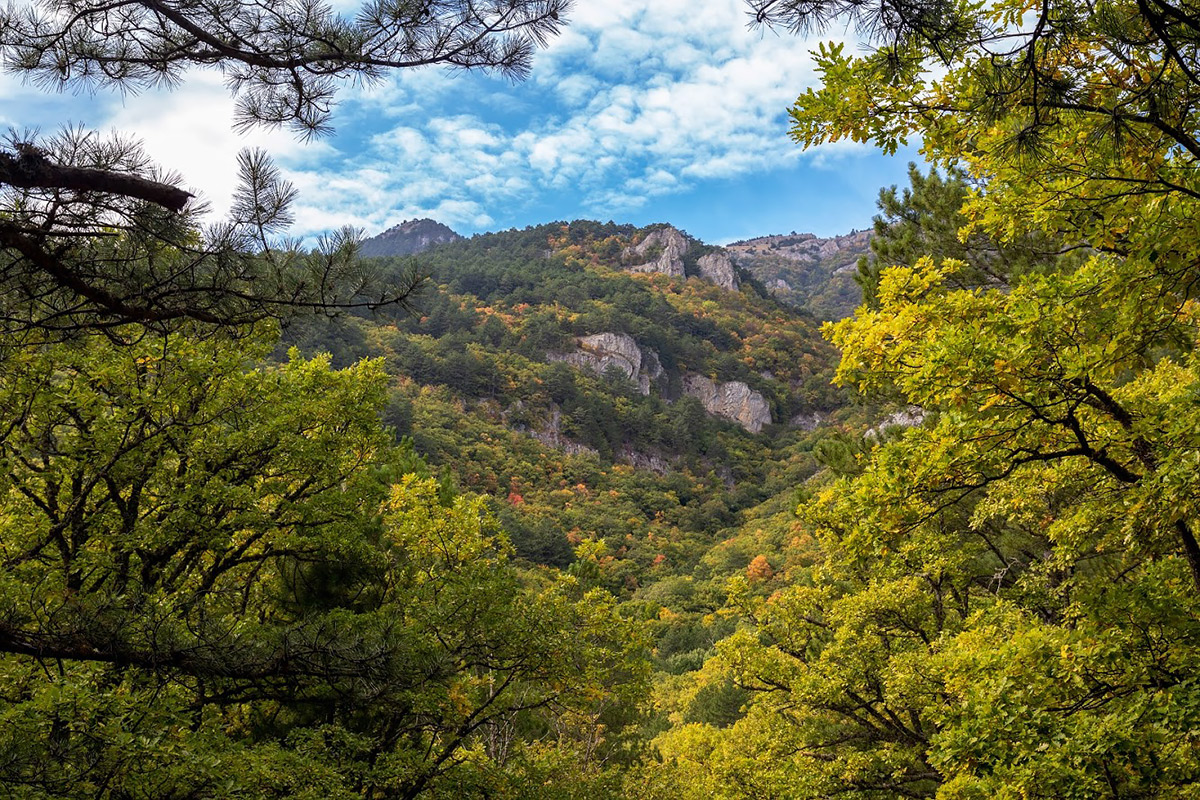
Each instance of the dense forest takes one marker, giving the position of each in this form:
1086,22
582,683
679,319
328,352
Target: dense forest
584,510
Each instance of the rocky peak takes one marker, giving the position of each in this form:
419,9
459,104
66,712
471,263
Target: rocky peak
409,237
661,251
733,400
803,270
803,246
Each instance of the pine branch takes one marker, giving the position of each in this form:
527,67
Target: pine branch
30,169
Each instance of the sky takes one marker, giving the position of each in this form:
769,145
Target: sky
641,111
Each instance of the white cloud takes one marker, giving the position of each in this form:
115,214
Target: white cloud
453,168
650,96
11,98
189,131
833,155
640,99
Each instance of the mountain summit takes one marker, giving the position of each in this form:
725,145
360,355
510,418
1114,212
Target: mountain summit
807,271
409,237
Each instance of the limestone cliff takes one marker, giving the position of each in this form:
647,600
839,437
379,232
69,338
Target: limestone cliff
733,400
661,251
718,268
601,351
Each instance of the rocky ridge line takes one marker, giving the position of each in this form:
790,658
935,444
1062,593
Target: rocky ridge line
408,238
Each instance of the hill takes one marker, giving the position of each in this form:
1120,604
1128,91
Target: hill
409,237
621,394
806,271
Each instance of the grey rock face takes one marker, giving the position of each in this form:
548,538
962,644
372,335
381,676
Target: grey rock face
648,461
409,237
651,371
908,417
807,422
733,400
668,243
551,435
718,268
600,351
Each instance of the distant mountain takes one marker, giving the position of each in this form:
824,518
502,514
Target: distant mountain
599,381
409,237
806,271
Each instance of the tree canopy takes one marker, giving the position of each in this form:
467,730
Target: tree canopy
1002,597
237,601
222,576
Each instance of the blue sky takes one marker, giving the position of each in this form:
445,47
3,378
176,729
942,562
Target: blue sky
642,111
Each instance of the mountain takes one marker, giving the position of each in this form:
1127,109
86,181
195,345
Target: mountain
601,383
409,237
807,271
643,419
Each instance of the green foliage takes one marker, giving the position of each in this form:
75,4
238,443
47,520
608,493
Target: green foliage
999,601
926,220
238,604
479,393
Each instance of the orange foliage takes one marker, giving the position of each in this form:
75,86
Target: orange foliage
760,569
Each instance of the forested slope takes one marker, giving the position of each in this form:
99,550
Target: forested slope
596,516
546,374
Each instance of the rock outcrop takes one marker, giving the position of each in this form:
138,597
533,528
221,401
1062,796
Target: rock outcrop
718,268
653,462
651,371
551,435
733,400
908,417
600,351
661,251
409,237
807,422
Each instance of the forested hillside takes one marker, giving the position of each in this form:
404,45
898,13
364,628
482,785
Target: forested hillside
554,371
620,419
586,510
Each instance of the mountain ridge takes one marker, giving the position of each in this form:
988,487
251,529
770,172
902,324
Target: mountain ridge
408,238
809,272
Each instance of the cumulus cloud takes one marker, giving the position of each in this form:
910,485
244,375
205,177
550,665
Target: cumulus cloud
187,131
639,98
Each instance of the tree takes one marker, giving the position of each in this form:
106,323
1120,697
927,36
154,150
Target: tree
1076,120
925,220
97,258
1108,94
210,590
93,236
1005,600
222,579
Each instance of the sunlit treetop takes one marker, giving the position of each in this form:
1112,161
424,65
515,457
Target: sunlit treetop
1076,116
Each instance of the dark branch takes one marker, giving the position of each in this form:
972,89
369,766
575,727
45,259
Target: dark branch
30,169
